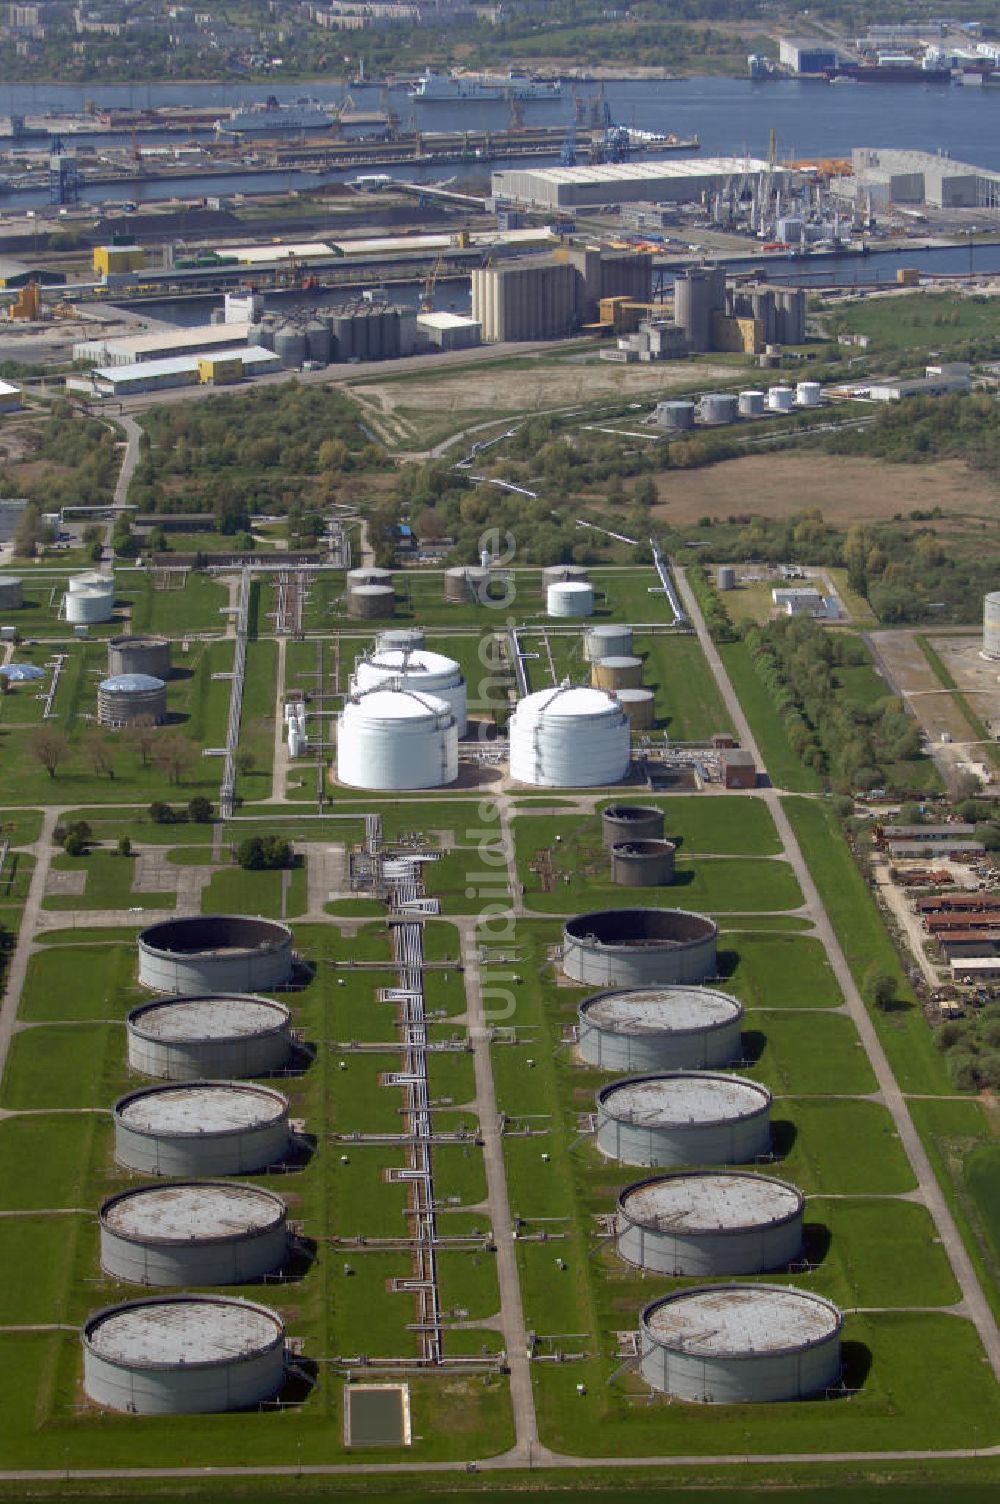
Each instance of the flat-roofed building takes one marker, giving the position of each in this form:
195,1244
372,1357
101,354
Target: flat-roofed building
679,180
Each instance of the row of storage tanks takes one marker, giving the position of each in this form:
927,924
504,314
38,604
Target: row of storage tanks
675,1110
178,1353
358,331
727,407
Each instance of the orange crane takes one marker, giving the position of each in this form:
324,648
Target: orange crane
427,299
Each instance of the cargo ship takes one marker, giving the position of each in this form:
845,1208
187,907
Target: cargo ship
871,73
301,115
451,87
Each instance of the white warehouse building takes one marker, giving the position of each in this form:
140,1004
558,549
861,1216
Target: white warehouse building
677,181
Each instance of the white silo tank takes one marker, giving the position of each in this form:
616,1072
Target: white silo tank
752,404
420,670
808,394
991,625
396,739
569,738
607,640
570,598
88,605
91,580
780,399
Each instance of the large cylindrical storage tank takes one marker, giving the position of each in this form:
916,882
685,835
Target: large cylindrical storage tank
642,864
702,1225
91,579
368,575
557,574
88,607
741,1344
205,1232
391,739
224,953
637,947
399,639
183,1355
694,299
319,342
991,625
631,822
11,592
660,1028
211,1128
216,1036
125,699
727,577
290,346
684,1118
568,738
780,399
639,706
808,393
420,670
719,407
620,672
570,598
675,414
608,640
752,404
456,584
369,602
139,655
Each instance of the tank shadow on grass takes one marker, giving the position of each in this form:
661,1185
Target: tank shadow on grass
726,962
817,1241
855,1366
783,1136
752,1046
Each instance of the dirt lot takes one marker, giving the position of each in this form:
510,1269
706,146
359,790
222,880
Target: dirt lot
934,707
845,489
976,677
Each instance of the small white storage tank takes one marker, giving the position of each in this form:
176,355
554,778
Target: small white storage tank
215,1036
183,1355
780,399
89,606
570,598
703,1224
741,1344
205,1232
659,1028
608,640
719,407
91,580
11,592
752,404
390,739
727,577
397,639
213,1128
417,669
557,574
991,625
568,738
684,1118
808,394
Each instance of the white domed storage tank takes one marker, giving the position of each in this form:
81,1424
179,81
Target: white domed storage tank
390,739
639,947
210,1037
568,738
705,1224
183,1355
659,1028
86,607
125,699
607,640
222,953
684,1118
780,399
555,574
741,1344
91,579
991,625
417,669
808,394
204,1232
570,598
212,1128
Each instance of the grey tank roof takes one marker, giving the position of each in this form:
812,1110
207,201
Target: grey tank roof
687,1097
130,684
207,1107
742,1320
710,1202
188,1330
192,1212
661,1010
208,1018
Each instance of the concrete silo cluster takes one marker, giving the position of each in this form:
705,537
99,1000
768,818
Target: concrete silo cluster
359,330
201,1120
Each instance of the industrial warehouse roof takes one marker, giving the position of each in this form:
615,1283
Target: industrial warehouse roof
138,345
130,684
302,251
691,1099
679,167
742,1319
184,1330
145,370
722,1202
661,1010
209,1107
208,1018
192,1212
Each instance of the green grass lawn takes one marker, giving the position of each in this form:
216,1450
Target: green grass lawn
783,767
96,983
108,884
231,890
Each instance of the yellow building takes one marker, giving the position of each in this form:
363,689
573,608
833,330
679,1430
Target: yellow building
740,334
220,370
109,260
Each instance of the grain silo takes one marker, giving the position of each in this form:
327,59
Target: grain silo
205,1232
226,953
741,1344
371,602
290,346
624,672
659,1029
780,399
393,739
571,598
684,1118
128,699
752,404
631,822
183,1355
719,407
642,864
215,1036
639,706
568,738
639,947
11,592
607,640
704,1224
420,670
991,625
201,1130
139,655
